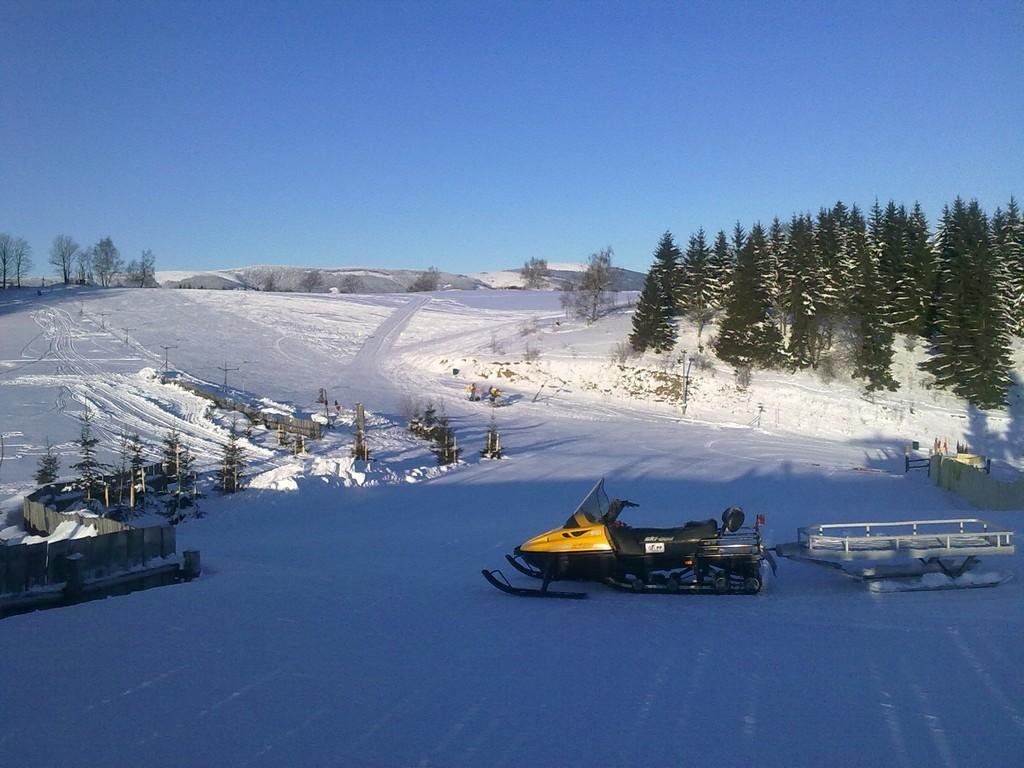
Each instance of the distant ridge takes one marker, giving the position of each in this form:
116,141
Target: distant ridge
372,280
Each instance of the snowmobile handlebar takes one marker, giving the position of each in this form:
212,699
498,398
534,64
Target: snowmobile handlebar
615,507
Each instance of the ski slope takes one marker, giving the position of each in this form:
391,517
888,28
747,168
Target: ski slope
342,621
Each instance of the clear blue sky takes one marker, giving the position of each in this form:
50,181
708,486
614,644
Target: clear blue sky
476,135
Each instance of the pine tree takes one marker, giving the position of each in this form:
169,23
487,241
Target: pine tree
720,267
891,249
970,346
137,464
805,294
779,279
697,300
667,269
830,236
873,336
186,490
122,467
653,325
1008,240
49,466
172,452
89,469
747,335
229,475
652,328
915,284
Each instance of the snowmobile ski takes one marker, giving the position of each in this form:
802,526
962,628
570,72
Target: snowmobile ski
498,580
524,569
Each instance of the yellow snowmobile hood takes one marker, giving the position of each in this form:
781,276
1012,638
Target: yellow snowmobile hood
589,537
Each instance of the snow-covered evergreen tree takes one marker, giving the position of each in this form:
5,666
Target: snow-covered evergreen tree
229,474
1008,240
697,299
915,284
805,296
88,468
49,465
653,321
888,232
779,278
720,267
171,452
667,270
830,235
872,332
747,335
136,464
653,327
970,346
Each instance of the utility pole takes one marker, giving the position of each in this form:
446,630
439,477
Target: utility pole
686,380
226,369
103,319
166,347
127,340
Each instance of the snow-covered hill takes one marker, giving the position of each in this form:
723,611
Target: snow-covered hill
368,280
342,619
286,278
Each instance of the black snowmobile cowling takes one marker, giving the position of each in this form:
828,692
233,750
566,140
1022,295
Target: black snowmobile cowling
594,545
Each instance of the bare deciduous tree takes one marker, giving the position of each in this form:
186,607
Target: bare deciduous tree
534,273
593,292
311,280
352,284
147,269
106,261
22,257
427,281
83,265
6,257
62,256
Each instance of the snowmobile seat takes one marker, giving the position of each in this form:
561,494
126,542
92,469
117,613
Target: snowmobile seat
683,540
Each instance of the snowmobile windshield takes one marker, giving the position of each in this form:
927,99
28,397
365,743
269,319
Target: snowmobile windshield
591,509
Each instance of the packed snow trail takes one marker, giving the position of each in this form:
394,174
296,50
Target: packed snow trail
367,377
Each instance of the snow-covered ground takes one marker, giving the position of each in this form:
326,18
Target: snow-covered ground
342,620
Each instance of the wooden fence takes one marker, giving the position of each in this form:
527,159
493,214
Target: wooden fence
43,509
117,547
29,566
976,485
305,427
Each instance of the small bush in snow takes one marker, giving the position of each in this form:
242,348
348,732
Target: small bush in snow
622,353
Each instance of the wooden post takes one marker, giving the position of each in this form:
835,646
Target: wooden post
191,567
75,584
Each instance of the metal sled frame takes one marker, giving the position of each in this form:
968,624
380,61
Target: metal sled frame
951,547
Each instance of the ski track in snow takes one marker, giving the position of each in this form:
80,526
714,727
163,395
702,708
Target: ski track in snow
933,722
1012,712
120,402
890,713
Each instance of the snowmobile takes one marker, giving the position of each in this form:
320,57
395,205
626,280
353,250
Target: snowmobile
595,545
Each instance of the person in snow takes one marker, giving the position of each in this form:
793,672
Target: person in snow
494,393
